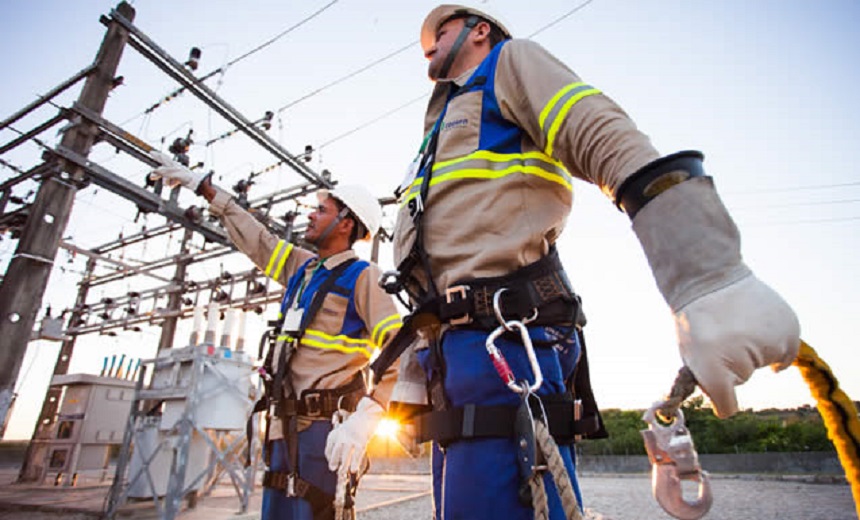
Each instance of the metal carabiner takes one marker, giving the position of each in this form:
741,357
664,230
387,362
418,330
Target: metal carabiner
497,310
501,364
673,459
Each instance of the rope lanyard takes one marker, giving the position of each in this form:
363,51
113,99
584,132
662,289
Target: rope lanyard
836,408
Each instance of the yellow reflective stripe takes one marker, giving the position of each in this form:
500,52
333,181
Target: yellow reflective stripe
341,343
283,261
374,335
551,103
340,337
496,157
274,256
288,339
517,166
386,330
556,124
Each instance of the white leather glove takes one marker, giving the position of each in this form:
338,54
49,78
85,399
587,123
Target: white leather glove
347,442
174,173
728,322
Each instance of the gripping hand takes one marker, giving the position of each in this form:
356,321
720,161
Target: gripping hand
729,323
174,173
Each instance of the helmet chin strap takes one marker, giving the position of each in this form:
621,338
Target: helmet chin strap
327,231
470,24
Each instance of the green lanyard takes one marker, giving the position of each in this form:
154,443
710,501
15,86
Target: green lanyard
305,280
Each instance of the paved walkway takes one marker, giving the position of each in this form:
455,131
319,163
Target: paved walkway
396,497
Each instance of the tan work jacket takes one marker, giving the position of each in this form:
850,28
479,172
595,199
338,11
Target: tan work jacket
489,214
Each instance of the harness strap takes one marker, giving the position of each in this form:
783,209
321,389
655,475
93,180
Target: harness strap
541,285
322,503
474,421
323,403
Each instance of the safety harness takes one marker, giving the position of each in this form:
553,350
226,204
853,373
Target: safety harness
538,293
279,399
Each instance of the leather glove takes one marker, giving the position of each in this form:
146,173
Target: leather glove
728,322
174,173
347,442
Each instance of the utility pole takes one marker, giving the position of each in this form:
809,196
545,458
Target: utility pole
174,301
27,275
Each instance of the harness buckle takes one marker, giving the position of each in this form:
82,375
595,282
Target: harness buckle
458,292
389,281
313,407
290,486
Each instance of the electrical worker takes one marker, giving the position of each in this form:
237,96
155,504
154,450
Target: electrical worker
333,317
506,129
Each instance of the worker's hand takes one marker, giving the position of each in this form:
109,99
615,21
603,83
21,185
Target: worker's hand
174,173
729,323
347,442
727,334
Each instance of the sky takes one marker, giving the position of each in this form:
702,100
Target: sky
765,89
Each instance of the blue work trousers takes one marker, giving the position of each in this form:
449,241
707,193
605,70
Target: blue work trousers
477,479
312,466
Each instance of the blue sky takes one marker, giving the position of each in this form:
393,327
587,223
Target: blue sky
765,89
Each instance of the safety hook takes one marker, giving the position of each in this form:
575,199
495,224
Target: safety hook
501,364
674,459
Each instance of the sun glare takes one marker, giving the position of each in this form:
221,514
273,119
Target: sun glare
387,428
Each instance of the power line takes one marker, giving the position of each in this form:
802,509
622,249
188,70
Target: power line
560,18
795,188
281,34
413,101
375,120
229,64
348,76
795,204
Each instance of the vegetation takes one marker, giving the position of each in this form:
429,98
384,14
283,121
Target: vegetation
799,429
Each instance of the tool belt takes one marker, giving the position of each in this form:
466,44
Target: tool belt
563,417
541,286
324,403
322,503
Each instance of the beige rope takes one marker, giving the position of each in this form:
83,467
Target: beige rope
555,463
683,387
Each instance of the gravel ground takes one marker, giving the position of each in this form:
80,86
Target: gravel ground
628,497
399,497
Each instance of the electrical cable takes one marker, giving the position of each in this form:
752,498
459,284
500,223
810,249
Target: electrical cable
560,18
348,76
222,69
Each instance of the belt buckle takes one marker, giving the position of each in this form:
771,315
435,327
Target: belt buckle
313,408
450,294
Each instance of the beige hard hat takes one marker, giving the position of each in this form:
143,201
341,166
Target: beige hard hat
360,202
445,12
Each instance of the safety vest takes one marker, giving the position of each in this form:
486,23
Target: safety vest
499,152
350,338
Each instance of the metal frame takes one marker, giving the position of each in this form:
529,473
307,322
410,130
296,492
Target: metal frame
223,461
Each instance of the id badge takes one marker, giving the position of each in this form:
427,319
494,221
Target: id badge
411,174
293,320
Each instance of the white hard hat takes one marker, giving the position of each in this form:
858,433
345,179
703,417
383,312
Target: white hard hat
360,202
445,12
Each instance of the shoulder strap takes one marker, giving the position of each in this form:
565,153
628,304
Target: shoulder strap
321,293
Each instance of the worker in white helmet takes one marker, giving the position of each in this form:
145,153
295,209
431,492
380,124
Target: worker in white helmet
333,318
507,128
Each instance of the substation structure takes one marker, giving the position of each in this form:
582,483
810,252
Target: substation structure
173,425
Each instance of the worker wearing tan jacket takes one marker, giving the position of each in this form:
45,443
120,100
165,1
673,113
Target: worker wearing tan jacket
507,128
316,366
